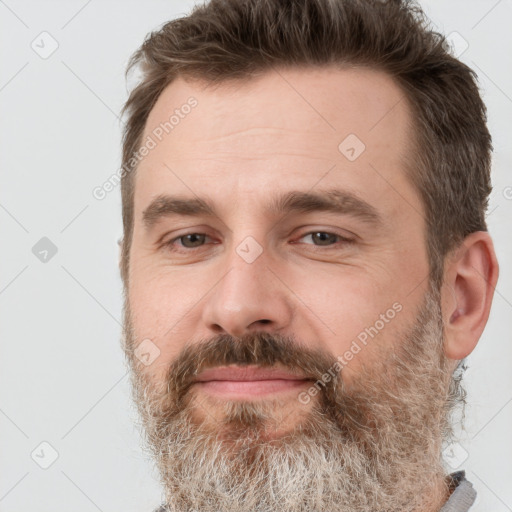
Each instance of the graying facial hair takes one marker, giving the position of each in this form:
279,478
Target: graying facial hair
373,445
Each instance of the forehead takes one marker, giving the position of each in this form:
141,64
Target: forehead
284,129
306,100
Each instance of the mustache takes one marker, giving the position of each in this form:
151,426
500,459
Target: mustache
261,349
351,412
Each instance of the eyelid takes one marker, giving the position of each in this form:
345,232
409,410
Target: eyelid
172,240
309,229
343,238
193,230
182,249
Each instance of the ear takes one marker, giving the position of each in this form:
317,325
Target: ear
120,244
470,277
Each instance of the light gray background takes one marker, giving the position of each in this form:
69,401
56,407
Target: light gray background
62,375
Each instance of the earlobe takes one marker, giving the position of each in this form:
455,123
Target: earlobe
471,274
120,254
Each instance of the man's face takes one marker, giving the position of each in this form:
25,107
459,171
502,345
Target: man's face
269,278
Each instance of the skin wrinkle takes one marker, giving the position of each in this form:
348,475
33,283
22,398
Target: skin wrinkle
359,442
240,100
371,439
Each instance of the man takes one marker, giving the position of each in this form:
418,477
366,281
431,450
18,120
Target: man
305,256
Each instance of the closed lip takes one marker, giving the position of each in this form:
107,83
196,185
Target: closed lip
248,373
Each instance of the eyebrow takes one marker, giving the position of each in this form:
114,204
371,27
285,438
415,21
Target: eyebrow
336,201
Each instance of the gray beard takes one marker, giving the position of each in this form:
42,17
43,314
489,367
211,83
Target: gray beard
372,446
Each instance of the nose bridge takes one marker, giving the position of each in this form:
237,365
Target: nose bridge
248,296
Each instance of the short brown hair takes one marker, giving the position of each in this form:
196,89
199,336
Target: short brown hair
236,39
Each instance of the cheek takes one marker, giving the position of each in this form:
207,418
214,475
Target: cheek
158,306
356,308
340,302
158,295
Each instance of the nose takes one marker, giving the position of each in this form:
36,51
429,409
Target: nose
249,297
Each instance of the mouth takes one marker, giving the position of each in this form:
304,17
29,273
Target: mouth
249,382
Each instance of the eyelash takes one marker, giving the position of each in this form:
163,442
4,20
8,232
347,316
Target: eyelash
342,239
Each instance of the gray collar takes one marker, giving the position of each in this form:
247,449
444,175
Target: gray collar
463,495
